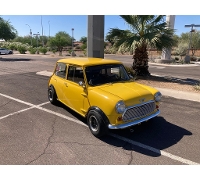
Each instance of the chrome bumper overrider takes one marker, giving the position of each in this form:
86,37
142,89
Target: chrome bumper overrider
123,126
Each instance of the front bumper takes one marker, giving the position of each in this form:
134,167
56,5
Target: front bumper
126,125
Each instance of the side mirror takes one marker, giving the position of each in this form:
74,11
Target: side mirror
81,83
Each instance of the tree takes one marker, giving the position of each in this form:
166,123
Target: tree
83,40
145,31
7,31
181,49
60,40
195,40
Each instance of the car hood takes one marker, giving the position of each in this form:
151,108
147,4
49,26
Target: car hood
130,92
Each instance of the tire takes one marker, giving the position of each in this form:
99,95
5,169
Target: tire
96,124
52,95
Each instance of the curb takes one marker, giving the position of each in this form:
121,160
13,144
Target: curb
175,65
183,80
180,94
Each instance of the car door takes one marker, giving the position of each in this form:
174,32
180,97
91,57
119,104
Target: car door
3,51
75,96
59,79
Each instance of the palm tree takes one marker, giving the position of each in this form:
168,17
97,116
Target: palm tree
145,31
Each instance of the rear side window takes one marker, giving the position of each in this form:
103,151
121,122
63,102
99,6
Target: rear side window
75,74
61,70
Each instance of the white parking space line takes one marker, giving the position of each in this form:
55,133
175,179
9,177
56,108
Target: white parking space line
26,109
11,114
166,154
157,67
44,73
18,100
163,153
62,116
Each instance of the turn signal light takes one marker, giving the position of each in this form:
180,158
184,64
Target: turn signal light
119,118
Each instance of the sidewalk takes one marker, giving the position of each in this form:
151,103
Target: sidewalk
180,94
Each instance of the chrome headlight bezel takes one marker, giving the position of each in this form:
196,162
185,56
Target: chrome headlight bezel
158,96
120,107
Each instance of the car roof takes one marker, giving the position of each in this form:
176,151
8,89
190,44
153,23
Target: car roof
88,61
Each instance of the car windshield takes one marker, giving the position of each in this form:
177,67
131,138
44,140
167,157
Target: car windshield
107,73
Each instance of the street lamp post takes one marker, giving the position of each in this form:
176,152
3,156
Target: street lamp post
187,57
37,40
49,28
72,41
30,33
42,33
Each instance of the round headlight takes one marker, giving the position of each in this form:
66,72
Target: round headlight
157,96
120,107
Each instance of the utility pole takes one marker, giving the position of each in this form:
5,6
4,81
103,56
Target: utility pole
72,41
187,57
42,32
49,28
37,40
30,33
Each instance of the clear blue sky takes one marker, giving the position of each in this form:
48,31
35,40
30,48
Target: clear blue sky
79,23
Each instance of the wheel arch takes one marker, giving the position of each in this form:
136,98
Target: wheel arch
51,85
97,109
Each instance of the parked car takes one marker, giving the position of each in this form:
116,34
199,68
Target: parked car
5,51
103,92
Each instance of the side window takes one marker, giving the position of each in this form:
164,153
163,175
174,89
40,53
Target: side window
61,70
75,74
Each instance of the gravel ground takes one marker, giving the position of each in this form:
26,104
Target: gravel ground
161,82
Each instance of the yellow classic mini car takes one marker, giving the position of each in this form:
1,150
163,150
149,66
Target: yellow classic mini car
103,92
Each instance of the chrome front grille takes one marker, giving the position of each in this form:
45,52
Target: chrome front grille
139,111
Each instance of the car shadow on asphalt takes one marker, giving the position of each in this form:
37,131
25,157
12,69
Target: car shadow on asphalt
71,112
157,133
14,59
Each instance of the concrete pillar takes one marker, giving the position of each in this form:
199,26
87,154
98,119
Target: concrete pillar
166,53
95,37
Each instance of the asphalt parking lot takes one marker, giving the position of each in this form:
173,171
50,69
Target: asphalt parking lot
32,131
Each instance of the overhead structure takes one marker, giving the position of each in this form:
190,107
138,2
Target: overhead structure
95,36
166,52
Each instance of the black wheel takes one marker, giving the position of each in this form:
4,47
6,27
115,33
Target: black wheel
52,95
96,124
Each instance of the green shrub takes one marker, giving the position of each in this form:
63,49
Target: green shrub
32,50
12,46
83,47
77,47
85,52
70,51
22,49
107,51
193,58
54,51
43,50
197,86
